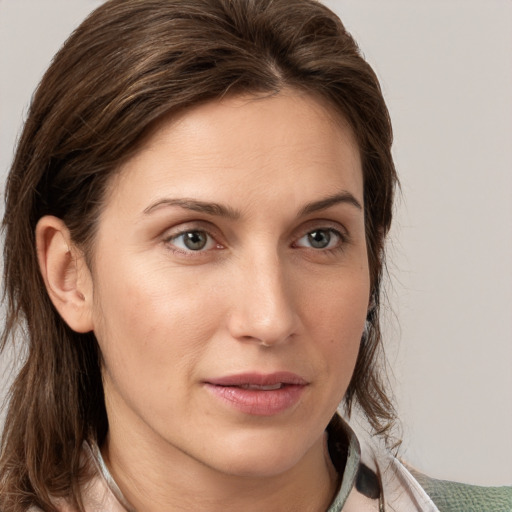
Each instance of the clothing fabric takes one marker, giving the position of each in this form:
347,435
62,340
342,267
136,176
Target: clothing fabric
373,480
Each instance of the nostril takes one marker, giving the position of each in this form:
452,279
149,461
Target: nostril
263,311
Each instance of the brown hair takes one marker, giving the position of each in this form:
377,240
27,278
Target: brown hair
129,63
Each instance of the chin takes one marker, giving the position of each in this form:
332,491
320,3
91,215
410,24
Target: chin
260,456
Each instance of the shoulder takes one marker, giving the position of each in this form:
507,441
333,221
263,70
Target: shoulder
455,497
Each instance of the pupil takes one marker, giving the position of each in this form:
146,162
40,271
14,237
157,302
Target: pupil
319,239
195,240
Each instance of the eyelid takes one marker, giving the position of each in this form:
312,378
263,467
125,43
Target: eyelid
333,231
317,224
187,227
174,238
331,225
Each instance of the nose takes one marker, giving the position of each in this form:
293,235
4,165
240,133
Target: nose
264,303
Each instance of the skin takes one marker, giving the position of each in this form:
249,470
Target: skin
258,297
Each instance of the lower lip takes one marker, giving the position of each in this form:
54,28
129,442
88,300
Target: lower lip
258,402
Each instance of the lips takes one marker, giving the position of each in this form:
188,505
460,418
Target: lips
258,394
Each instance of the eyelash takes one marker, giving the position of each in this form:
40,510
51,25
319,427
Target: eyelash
339,245
342,239
170,242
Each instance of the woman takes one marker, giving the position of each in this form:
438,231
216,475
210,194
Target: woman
194,223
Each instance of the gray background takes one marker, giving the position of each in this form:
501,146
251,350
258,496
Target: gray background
446,72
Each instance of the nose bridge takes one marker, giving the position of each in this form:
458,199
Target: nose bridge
263,308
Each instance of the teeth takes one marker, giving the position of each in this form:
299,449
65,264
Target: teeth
271,387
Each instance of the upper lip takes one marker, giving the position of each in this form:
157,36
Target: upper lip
258,379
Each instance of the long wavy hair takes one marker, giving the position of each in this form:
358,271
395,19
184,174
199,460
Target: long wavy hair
128,64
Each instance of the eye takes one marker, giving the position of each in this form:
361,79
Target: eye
325,238
193,240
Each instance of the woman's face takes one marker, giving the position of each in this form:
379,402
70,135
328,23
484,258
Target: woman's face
231,284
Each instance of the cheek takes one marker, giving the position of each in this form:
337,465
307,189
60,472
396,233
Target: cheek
146,324
337,318
341,337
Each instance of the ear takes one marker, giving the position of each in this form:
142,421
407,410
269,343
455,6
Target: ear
65,273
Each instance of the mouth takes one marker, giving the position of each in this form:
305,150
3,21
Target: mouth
260,380
271,387
258,394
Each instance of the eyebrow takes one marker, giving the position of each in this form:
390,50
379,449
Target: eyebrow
216,209
220,210
323,204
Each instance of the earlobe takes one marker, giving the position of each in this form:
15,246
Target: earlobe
65,273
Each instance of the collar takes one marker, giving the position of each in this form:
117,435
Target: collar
373,480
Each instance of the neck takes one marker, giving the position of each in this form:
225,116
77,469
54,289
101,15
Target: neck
169,480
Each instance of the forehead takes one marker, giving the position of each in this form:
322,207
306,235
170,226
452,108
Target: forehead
249,116
286,143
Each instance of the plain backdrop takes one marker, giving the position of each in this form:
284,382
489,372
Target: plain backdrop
446,71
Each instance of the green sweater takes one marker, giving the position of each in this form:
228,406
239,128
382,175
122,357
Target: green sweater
457,497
